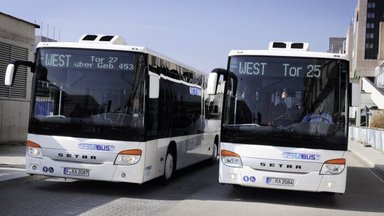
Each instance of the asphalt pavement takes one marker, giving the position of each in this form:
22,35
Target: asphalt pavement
12,161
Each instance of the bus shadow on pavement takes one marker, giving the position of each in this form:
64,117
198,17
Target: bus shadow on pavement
183,184
200,182
361,195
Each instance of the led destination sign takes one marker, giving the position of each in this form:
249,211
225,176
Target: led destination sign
277,67
88,60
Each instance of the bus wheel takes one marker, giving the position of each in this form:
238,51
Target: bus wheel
215,154
169,167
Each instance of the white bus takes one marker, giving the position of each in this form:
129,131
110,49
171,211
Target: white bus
284,122
103,110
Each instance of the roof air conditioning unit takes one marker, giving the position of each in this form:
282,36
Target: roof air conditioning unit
288,46
112,39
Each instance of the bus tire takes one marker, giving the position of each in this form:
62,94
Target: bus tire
215,152
169,167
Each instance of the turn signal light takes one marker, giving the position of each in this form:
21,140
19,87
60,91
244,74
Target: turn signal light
333,167
231,159
34,149
128,157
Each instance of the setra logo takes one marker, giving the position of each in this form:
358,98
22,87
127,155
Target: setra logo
76,156
280,165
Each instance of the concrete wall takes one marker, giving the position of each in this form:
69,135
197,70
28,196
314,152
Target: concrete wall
14,112
381,42
13,121
373,137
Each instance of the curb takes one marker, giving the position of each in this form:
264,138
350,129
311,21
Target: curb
368,156
362,158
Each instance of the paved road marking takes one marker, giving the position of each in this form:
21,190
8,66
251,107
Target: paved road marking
9,168
378,177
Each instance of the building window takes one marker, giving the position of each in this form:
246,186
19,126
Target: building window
368,45
369,36
370,25
371,4
371,15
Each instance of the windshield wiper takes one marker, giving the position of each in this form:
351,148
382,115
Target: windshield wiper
56,116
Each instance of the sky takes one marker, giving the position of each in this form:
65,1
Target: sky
199,33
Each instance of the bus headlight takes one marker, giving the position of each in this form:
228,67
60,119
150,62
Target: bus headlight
128,157
333,167
34,149
231,159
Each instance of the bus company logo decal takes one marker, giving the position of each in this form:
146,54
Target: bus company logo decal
96,147
291,155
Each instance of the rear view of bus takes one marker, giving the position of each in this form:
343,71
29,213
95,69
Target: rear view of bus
285,122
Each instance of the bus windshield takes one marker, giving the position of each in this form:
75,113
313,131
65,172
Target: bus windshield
286,101
89,93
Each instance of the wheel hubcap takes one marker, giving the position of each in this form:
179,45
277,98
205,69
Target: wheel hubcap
168,166
215,152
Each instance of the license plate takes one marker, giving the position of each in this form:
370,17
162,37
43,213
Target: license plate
76,171
280,181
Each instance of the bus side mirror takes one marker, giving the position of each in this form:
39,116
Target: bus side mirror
154,85
12,68
212,83
9,75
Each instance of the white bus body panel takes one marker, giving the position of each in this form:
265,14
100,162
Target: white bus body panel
112,47
99,163
61,152
65,152
264,162
288,53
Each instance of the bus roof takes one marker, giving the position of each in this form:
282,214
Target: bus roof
288,53
113,47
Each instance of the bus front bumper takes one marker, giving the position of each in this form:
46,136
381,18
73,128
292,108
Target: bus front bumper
312,181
